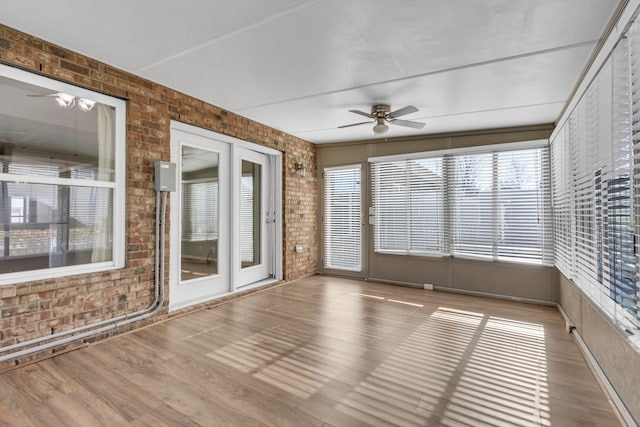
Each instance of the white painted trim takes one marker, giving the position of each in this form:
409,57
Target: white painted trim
233,144
607,47
51,273
119,186
197,289
523,145
278,216
52,180
58,86
224,138
189,303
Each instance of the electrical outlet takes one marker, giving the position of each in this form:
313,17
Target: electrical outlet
298,249
428,286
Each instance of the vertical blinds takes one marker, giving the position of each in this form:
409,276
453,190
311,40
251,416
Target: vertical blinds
342,218
494,205
596,176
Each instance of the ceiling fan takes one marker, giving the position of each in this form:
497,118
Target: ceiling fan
382,114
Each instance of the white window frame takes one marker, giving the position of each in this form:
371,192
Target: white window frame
118,185
448,174
442,220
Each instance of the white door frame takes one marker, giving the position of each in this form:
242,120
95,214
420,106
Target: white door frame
253,274
275,186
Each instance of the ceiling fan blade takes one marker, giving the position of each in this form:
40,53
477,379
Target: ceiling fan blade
362,113
407,123
403,111
354,124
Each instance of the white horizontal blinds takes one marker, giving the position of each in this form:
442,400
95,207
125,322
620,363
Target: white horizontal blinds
561,203
246,218
390,193
473,207
618,244
502,205
408,201
584,182
200,211
596,173
626,82
522,209
633,310
426,205
342,218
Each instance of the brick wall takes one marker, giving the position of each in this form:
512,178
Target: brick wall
39,308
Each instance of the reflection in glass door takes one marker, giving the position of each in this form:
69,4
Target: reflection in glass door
252,254
200,213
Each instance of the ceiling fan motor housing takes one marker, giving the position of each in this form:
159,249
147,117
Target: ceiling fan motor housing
381,111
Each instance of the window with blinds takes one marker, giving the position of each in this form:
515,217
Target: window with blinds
494,205
473,207
502,206
408,201
596,173
342,218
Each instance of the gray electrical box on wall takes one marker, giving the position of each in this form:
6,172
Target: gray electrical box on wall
165,176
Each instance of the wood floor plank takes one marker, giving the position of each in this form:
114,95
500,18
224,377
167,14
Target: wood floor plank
323,352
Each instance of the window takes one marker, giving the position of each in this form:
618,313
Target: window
596,172
61,179
493,205
342,218
502,206
409,206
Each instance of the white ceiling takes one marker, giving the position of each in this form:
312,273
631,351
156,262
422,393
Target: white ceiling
300,65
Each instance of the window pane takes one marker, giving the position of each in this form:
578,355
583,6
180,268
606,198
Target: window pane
45,226
522,204
473,189
391,194
250,205
200,213
426,205
408,200
42,135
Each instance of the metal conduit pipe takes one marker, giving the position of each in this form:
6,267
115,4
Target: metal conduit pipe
125,319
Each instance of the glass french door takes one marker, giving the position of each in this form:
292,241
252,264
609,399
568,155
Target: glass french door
225,235
253,254
201,246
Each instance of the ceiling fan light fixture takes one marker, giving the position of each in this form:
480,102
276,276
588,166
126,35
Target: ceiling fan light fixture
65,100
380,127
86,104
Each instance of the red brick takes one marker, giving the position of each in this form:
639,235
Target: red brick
66,302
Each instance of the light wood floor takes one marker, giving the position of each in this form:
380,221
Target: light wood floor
323,352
